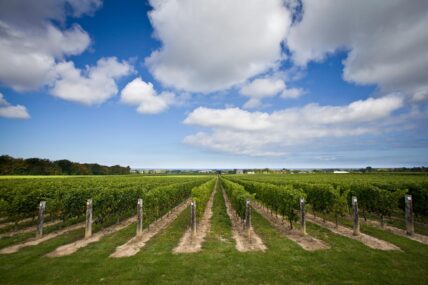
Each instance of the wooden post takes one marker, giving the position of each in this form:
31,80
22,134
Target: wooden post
193,217
302,216
42,207
88,228
410,229
247,224
247,216
355,218
140,217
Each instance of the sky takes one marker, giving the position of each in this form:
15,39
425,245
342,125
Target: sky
216,84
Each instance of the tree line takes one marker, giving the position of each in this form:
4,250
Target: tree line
38,166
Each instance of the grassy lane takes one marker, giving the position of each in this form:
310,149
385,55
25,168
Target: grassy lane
347,261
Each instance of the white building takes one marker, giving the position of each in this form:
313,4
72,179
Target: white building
340,171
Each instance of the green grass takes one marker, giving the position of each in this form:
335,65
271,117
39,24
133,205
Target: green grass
347,262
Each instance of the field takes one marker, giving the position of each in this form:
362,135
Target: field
278,257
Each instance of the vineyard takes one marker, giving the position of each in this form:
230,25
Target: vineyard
233,229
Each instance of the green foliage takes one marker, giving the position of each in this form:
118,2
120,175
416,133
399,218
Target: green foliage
113,197
282,199
284,262
201,194
367,187
237,196
38,166
340,204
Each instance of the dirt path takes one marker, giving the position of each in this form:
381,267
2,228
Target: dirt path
243,242
307,242
34,241
416,237
29,229
134,245
190,243
75,246
369,241
7,224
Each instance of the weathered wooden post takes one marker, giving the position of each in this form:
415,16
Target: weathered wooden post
302,216
88,227
248,216
193,217
140,217
355,214
42,207
410,228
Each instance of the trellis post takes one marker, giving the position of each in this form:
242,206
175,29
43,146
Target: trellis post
193,217
302,216
248,216
410,229
355,216
88,226
42,207
140,217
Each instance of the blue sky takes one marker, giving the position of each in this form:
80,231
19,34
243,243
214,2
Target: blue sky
213,84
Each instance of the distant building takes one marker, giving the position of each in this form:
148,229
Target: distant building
239,171
251,172
340,171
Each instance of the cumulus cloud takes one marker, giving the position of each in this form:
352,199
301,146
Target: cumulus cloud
12,112
261,88
292,93
267,87
92,85
35,13
144,96
267,134
31,44
210,45
386,41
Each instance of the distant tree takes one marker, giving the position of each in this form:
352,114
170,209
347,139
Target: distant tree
37,166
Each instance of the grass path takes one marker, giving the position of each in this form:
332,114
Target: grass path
347,261
246,240
190,243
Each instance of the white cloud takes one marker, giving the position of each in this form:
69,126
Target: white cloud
28,13
28,59
210,45
144,96
268,134
267,87
12,112
93,85
261,88
31,45
292,93
387,41
81,7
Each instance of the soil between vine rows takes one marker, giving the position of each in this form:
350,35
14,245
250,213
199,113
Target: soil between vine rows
189,243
